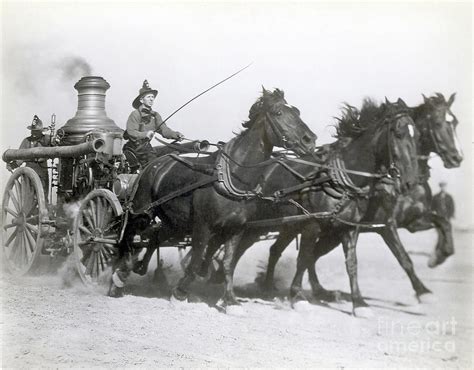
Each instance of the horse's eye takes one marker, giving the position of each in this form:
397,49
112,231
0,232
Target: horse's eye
279,113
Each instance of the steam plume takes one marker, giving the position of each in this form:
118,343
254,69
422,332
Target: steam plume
74,67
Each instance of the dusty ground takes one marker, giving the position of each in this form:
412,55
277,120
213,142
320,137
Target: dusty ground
51,321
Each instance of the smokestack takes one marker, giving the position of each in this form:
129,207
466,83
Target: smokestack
90,113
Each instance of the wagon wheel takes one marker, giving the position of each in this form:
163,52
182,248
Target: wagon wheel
23,215
95,235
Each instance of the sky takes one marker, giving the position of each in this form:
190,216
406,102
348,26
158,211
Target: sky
320,54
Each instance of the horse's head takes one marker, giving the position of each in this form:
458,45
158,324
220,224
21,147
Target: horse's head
283,125
395,148
437,125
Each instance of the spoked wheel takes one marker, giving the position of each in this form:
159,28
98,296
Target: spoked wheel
95,236
23,214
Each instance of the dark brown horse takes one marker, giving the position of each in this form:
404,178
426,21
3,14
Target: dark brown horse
211,198
370,142
412,211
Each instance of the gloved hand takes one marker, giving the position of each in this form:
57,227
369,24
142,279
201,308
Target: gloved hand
150,134
177,136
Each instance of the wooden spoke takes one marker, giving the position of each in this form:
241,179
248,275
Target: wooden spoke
32,205
24,254
85,230
93,211
14,250
6,227
12,236
26,196
101,259
32,218
14,200
93,237
100,212
21,210
19,191
31,240
86,214
107,218
33,228
10,211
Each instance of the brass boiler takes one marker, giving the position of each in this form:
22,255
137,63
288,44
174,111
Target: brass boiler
91,119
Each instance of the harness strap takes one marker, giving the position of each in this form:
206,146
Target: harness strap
305,185
179,192
353,172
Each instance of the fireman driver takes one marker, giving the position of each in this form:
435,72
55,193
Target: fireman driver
142,124
36,139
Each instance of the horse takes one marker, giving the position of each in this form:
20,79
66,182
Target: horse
437,125
412,211
359,165
190,196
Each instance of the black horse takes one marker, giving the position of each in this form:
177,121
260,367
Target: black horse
211,197
336,190
412,211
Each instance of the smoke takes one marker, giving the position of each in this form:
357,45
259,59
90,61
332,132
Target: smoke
38,71
73,68
72,209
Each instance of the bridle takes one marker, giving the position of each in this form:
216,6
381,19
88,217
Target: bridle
393,170
278,132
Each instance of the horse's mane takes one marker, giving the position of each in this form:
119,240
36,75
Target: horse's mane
437,99
353,122
267,98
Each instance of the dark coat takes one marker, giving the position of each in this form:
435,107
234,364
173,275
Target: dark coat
141,121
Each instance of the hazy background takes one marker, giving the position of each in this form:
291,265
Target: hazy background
320,54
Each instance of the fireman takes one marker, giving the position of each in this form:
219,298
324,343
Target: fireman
36,139
142,124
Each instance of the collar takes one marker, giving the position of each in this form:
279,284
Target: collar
145,110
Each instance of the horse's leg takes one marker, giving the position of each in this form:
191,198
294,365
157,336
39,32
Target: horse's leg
201,237
141,267
159,276
277,248
321,248
122,265
229,264
392,239
209,253
349,243
445,245
305,257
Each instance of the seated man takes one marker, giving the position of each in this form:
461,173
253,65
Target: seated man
36,139
142,124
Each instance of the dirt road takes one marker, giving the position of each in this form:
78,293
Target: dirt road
53,321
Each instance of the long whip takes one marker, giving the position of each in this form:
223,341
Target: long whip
205,91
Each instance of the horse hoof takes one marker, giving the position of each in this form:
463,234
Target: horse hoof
363,312
140,268
115,291
427,298
302,306
178,294
234,310
436,260
328,296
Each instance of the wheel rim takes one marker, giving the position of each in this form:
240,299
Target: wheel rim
96,224
22,212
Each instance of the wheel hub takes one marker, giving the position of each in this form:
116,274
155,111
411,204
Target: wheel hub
97,233
20,221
